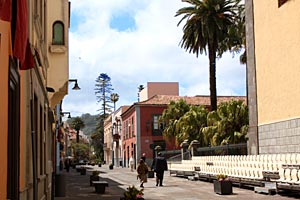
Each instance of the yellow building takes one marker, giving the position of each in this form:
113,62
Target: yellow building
33,62
273,65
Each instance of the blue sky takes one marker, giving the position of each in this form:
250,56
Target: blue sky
123,21
135,42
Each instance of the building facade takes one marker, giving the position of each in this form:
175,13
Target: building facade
108,140
163,88
273,42
28,115
142,131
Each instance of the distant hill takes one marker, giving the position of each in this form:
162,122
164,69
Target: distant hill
90,122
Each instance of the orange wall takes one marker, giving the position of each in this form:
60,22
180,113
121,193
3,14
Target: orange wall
164,88
4,55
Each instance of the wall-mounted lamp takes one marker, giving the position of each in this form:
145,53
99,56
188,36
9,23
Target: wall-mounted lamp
76,87
69,114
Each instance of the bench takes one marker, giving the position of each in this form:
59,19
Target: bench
100,186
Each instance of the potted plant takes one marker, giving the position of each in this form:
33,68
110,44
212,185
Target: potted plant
98,161
82,171
111,166
94,177
222,184
132,193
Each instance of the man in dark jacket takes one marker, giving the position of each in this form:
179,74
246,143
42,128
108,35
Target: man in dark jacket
159,165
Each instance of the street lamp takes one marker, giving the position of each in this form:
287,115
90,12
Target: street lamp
76,87
63,113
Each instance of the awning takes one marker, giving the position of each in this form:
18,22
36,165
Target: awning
5,10
22,48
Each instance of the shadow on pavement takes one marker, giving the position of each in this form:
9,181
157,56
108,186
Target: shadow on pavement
78,187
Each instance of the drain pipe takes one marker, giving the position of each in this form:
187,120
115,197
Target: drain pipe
34,175
57,141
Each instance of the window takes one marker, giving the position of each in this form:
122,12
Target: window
132,127
281,2
58,33
157,126
126,129
129,129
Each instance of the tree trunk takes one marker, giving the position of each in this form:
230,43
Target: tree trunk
212,75
77,136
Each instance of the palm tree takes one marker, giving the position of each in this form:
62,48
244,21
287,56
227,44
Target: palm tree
114,97
210,25
140,88
77,124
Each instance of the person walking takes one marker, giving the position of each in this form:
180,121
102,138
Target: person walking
159,165
67,164
142,171
144,157
131,163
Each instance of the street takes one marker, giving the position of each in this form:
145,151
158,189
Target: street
175,188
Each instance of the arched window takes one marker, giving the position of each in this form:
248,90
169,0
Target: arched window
58,33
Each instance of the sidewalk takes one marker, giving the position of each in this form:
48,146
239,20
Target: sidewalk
175,188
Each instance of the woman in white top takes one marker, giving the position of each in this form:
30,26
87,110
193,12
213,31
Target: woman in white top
131,163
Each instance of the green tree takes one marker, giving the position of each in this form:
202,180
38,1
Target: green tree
81,151
97,138
103,90
228,124
77,124
210,25
191,124
171,115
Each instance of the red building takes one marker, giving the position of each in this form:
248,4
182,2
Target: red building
141,130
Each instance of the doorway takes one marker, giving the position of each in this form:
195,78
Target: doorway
13,148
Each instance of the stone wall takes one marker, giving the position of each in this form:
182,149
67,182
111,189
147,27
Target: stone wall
279,137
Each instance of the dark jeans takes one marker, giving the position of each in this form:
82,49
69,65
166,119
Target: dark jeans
159,178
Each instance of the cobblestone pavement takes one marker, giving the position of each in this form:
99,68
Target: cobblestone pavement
175,188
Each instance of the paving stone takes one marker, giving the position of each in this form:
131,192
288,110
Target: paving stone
175,188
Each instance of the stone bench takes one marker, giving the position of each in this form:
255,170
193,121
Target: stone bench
100,186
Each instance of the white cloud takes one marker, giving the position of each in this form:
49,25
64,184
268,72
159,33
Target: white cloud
150,52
